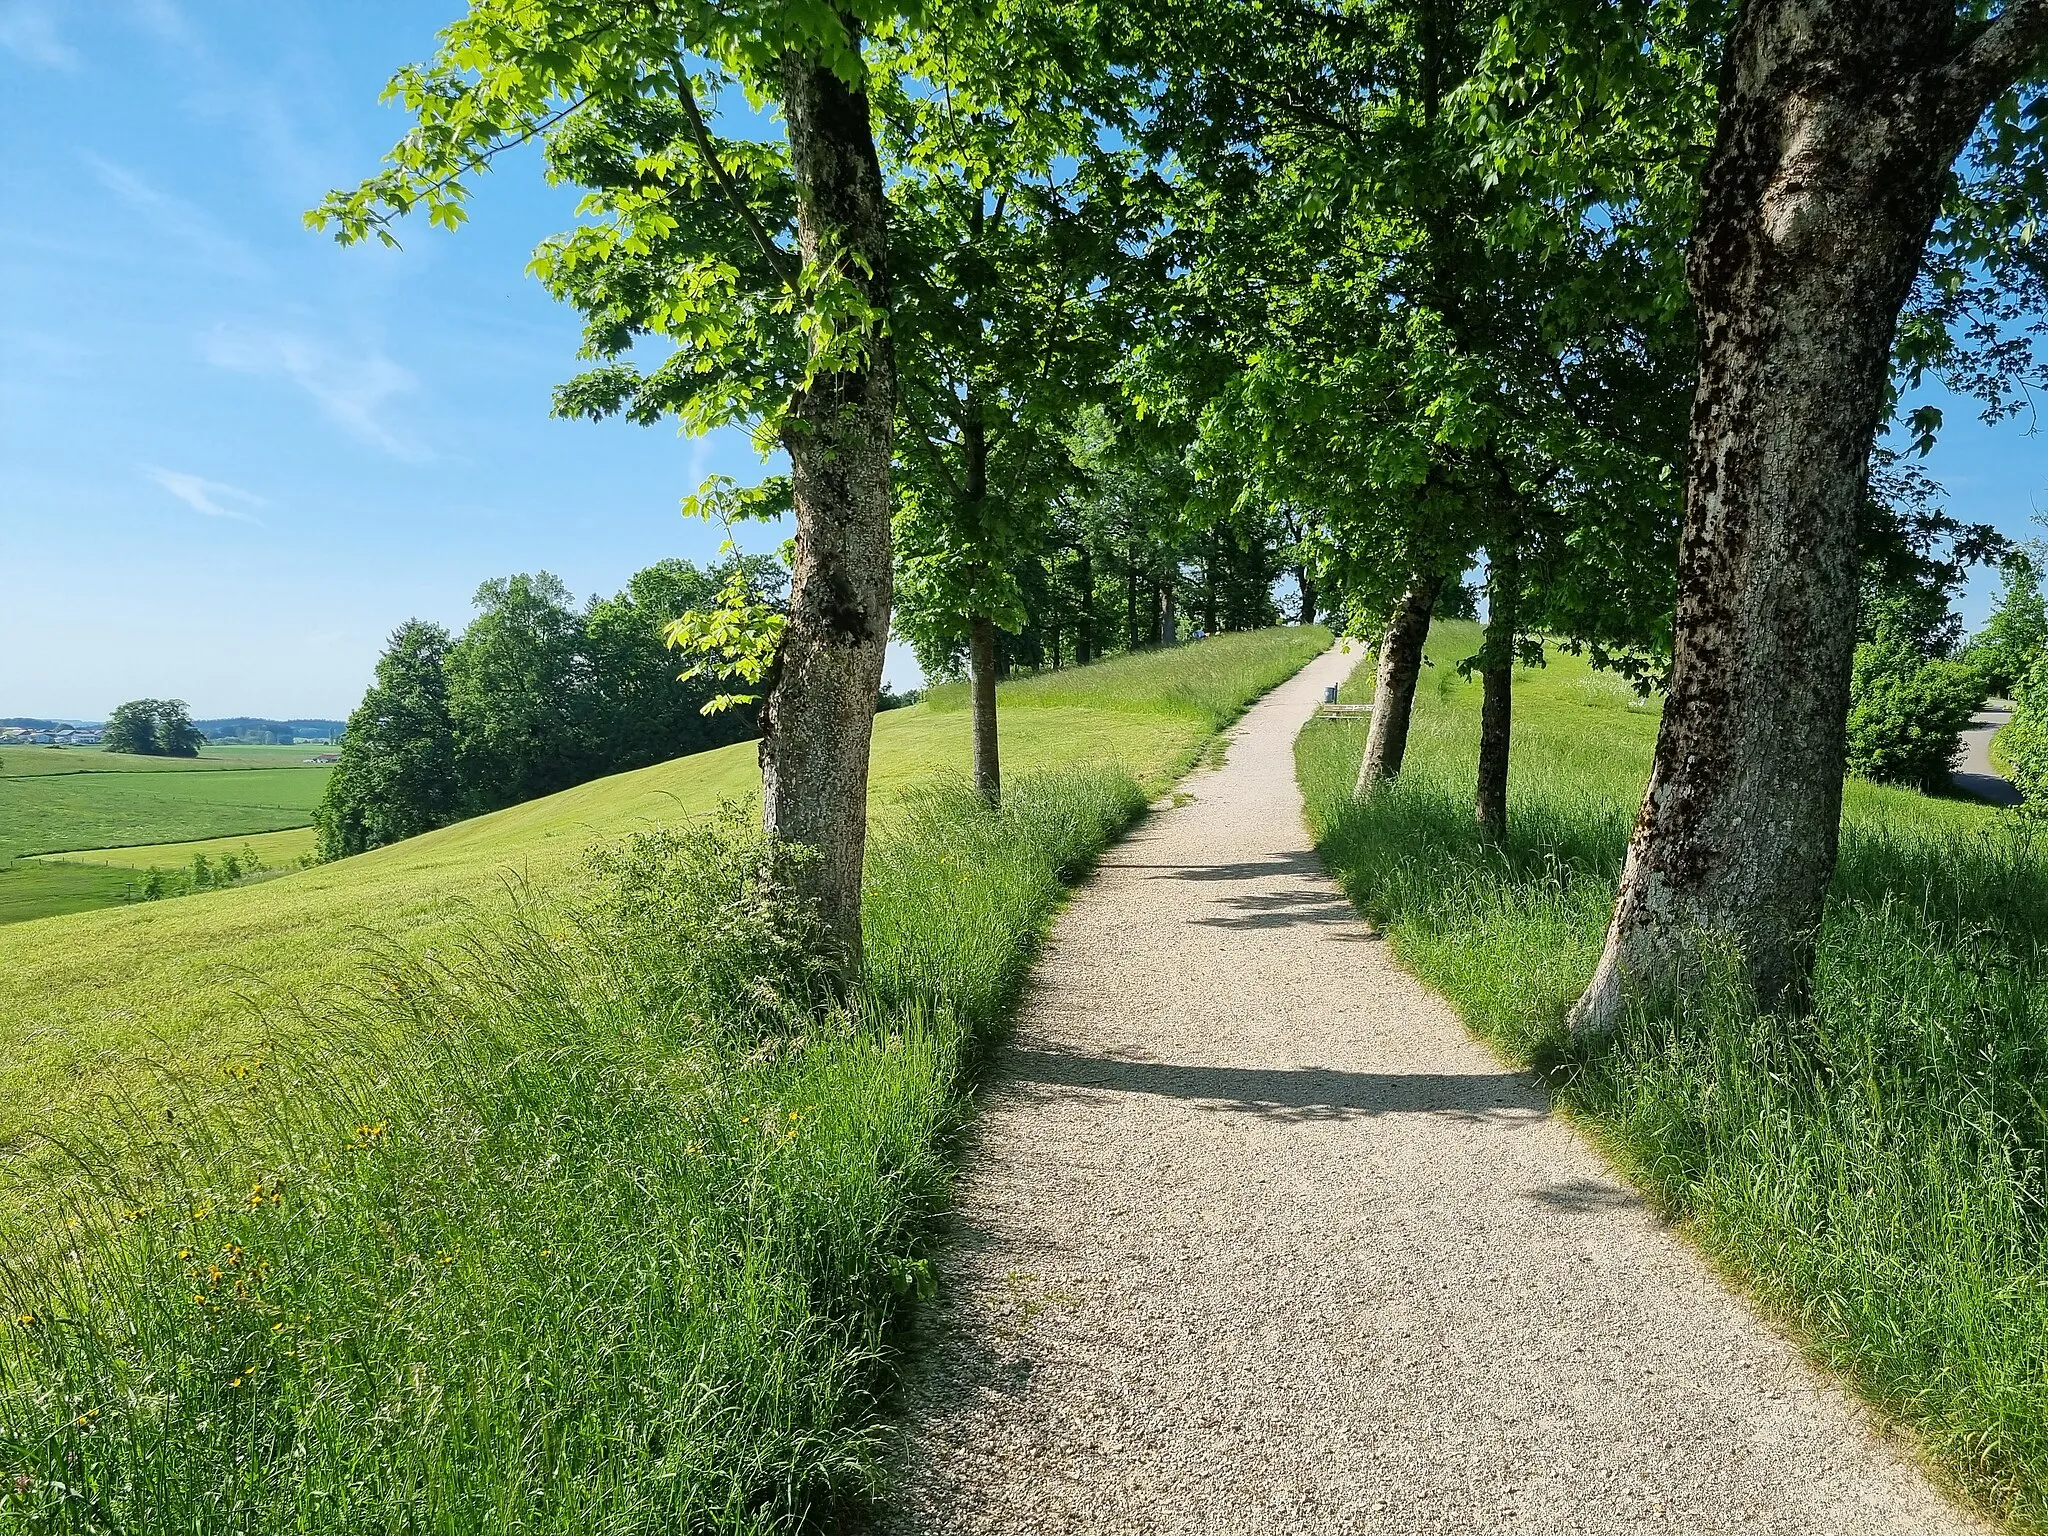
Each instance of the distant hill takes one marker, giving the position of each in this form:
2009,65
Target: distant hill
28,724
283,732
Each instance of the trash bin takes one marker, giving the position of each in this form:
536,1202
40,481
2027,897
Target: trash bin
1330,694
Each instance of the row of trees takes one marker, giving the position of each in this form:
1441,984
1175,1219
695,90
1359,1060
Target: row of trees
534,696
1614,298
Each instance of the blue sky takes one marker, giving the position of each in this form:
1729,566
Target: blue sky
233,456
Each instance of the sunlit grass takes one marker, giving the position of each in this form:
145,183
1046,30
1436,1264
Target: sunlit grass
593,1213
1876,1172
1202,681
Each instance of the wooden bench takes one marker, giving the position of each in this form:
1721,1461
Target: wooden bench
1344,711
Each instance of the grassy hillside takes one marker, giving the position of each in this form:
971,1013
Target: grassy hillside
599,1217
1875,1172
90,993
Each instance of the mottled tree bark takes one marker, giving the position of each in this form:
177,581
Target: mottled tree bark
1169,614
981,649
1393,694
1496,701
820,711
1838,122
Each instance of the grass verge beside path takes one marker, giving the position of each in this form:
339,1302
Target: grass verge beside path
595,1218
1874,1173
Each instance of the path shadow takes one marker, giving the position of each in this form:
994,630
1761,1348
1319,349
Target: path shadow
1579,1196
1985,786
1301,862
1287,909
1301,1093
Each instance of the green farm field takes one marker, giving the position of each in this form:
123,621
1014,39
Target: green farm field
93,994
67,800
18,762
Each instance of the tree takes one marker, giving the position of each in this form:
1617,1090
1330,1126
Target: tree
131,729
397,774
636,710
2016,635
1423,352
789,338
152,728
1008,225
518,693
1839,122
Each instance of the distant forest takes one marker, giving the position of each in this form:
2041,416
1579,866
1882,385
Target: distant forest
245,729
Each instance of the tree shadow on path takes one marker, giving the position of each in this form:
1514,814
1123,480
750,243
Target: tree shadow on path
1299,1093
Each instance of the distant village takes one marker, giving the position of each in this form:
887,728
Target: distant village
238,732
55,736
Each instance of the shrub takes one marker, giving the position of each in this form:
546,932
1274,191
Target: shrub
2024,740
1907,713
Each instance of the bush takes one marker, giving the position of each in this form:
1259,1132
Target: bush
1907,713
2024,740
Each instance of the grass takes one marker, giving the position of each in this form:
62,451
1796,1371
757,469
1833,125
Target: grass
66,800
17,762
1200,683
595,1216
59,813
275,849
91,995
1875,1174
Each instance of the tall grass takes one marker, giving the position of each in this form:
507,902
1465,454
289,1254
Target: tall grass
597,1221
1204,681
1876,1171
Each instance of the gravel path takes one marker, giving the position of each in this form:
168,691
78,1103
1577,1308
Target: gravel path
1256,1238
1974,773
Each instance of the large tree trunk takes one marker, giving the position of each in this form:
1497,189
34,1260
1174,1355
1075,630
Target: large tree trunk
1496,702
1305,585
1839,120
1169,615
820,711
1393,694
981,647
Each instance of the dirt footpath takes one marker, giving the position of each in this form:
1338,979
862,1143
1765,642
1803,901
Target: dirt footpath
1255,1238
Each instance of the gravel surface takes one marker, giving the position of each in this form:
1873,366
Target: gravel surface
1255,1238
1974,773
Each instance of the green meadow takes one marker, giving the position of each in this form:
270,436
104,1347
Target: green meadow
68,800
1874,1173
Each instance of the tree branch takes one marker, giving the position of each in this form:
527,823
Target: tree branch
777,257
1992,60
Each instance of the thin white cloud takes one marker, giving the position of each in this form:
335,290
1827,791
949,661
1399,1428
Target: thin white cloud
258,105
175,219
352,390
210,497
27,32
